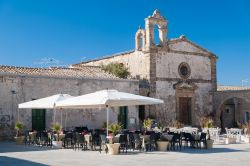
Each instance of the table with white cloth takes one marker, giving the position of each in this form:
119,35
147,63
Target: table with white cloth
144,139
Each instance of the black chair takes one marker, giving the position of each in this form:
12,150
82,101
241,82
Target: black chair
176,140
136,142
123,140
130,140
186,138
79,141
102,143
44,139
151,144
95,139
189,139
68,140
203,139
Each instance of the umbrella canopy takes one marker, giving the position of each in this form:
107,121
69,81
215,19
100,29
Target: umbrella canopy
107,98
103,98
44,103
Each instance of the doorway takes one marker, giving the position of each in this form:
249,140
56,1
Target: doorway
141,113
38,119
123,116
185,110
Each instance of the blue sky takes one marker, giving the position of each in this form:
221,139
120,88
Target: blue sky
75,30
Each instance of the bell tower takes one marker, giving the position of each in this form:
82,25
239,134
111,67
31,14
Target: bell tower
161,24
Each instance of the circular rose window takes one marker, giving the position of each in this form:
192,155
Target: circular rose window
184,70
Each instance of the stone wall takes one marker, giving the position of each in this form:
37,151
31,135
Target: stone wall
18,89
240,103
157,66
137,63
168,63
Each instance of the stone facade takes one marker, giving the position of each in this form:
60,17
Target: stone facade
22,86
157,66
177,71
231,105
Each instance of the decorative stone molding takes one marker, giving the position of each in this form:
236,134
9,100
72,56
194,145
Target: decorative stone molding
185,85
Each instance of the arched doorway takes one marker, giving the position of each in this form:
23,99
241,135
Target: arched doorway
230,113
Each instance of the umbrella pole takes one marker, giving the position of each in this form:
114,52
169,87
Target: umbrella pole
18,115
107,108
66,118
61,118
54,115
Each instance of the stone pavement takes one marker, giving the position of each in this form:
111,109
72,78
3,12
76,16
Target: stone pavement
220,155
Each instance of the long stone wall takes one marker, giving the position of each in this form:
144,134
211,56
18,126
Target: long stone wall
137,62
18,89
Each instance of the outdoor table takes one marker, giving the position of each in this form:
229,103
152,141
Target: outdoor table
32,137
88,138
144,138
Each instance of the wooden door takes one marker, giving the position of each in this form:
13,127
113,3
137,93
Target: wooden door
38,119
185,110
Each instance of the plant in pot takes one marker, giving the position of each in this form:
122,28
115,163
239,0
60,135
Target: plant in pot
19,126
208,123
113,148
162,143
246,129
56,128
147,124
114,128
176,124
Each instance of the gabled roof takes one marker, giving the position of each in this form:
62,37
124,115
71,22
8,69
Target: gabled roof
83,72
182,38
103,57
170,42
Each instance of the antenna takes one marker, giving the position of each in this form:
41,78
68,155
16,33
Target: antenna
48,62
83,59
244,81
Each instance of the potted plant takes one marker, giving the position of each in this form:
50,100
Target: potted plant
114,128
56,128
246,129
176,124
147,124
207,122
19,126
162,143
113,148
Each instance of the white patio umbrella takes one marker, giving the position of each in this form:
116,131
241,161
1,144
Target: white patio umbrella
44,103
106,98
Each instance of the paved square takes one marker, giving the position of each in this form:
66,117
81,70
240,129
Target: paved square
221,155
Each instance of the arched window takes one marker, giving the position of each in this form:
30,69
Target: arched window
140,39
140,42
156,35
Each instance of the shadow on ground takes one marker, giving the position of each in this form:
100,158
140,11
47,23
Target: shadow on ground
6,147
20,162
213,150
